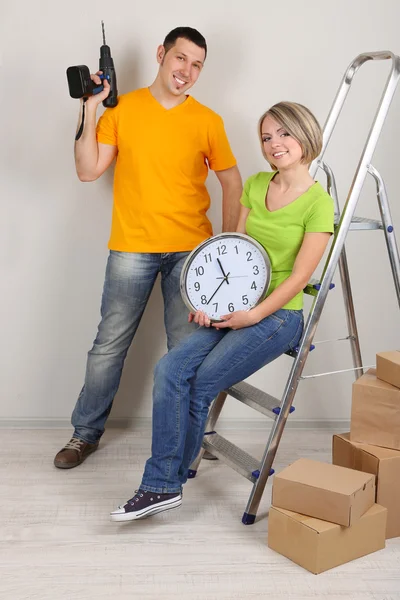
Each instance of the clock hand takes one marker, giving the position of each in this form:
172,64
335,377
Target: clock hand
223,272
224,279
232,276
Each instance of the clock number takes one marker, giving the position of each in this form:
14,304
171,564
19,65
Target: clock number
199,271
203,299
208,257
245,300
231,308
253,286
216,306
197,286
222,249
249,255
237,250
256,270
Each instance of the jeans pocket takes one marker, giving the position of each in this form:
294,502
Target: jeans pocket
277,319
280,316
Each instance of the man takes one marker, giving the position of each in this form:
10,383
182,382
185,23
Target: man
164,142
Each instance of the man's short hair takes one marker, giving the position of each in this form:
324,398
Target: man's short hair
187,33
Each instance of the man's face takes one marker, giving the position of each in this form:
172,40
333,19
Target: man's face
181,66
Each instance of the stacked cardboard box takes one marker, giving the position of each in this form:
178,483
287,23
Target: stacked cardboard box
373,445
324,515
383,463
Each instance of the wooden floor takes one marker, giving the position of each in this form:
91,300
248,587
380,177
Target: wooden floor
56,540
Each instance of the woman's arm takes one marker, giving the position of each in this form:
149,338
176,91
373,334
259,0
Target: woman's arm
244,213
310,253
307,260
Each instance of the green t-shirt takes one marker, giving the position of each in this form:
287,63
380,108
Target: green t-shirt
281,231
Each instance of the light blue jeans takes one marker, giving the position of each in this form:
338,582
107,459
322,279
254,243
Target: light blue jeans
188,378
128,283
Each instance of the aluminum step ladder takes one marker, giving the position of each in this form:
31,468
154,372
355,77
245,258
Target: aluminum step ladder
257,472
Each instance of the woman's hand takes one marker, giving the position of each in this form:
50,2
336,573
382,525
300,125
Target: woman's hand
237,320
200,318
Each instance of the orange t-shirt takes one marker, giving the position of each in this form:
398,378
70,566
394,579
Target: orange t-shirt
160,197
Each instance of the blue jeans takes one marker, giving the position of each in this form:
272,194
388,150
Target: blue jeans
128,283
188,378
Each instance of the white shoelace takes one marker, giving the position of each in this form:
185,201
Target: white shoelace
74,444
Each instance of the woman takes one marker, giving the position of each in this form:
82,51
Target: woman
292,217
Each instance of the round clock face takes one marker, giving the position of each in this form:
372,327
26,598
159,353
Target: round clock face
226,273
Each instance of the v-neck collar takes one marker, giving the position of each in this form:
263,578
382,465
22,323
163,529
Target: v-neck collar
162,108
271,212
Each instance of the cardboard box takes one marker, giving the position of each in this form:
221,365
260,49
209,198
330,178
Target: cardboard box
324,491
375,412
382,462
318,545
388,367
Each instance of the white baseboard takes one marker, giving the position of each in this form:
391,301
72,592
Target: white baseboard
145,423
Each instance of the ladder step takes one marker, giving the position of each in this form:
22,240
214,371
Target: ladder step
255,398
231,455
313,286
359,223
293,353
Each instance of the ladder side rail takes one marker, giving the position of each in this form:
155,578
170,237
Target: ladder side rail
290,391
355,188
346,285
387,222
331,185
350,315
287,400
343,90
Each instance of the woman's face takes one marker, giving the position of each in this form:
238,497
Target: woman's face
280,148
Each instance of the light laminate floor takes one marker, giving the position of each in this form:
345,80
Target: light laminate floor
56,540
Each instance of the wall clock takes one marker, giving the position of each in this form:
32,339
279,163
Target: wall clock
225,273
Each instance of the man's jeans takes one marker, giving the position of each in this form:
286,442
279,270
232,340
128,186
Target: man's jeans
189,377
128,283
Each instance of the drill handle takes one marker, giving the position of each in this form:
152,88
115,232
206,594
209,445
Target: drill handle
112,99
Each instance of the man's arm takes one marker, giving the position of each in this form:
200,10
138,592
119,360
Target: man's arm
232,187
91,157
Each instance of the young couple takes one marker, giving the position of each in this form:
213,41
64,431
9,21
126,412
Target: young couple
165,142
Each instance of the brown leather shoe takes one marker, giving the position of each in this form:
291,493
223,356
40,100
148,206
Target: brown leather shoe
74,453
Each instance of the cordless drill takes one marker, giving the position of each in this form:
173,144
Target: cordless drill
79,81
106,65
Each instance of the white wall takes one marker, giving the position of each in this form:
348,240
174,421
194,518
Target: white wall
55,229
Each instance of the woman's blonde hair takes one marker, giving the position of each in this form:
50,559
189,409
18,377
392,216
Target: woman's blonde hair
300,123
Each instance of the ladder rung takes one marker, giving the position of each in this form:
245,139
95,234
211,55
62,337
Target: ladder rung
251,396
313,286
294,353
358,223
234,457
